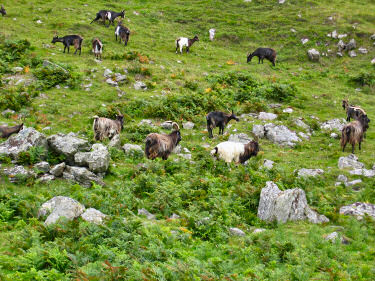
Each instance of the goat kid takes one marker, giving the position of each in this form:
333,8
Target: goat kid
218,119
353,132
352,111
68,41
162,145
107,128
123,33
97,48
2,11
235,151
185,42
263,53
6,132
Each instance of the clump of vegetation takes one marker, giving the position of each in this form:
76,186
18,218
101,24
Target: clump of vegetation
50,76
32,156
14,99
364,79
13,50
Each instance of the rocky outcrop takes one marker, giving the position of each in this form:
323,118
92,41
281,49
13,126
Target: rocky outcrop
82,175
334,124
58,170
96,160
234,231
359,209
280,134
310,172
350,161
146,213
17,174
288,205
94,216
266,116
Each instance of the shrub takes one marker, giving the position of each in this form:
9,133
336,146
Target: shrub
32,156
364,79
51,76
13,99
11,50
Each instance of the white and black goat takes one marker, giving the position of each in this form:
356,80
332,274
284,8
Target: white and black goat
354,131
6,132
236,151
162,145
2,11
218,119
185,42
108,15
263,53
97,48
70,40
122,32
352,111
107,128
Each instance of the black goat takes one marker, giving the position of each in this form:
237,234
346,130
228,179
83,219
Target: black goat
263,53
2,11
123,32
110,15
218,119
69,40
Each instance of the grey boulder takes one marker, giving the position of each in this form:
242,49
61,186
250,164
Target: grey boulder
93,216
82,175
350,161
280,134
96,160
310,172
359,209
242,138
334,124
58,170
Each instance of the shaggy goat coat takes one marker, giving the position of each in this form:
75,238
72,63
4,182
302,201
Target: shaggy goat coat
353,132
106,128
235,151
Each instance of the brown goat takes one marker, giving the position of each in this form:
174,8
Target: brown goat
162,145
353,132
6,131
352,111
107,128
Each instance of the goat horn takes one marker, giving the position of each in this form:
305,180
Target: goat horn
118,111
175,126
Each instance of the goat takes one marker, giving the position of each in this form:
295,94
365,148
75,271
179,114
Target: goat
110,15
352,111
6,131
123,32
162,145
97,48
236,151
263,53
69,40
107,128
185,42
354,131
2,11
218,119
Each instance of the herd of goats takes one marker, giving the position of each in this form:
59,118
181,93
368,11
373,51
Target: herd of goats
162,145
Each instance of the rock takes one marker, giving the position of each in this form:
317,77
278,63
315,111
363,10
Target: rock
267,116
43,166
242,138
236,231
107,73
17,69
46,178
96,160
81,175
339,54
288,205
333,34
281,1
334,124
167,125
304,41
188,125
94,216
111,82
22,142
115,141
362,50
351,45
359,209
121,78
280,134
174,217
212,33
372,37
341,46
352,54
47,63
258,130
58,170
373,61
268,164
334,135
304,136
17,174
132,148
310,172
313,54
146,213
139,85
7,112
293,30
342,36
342,178
146,122
350,161
60,206
177,149
351,183
332,237
273,105
258,230
363,172
185,156
38,21
68,145
301,124
288,110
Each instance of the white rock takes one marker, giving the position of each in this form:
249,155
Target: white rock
342,178
146,213
58,170
46,178
258,130
167,125
258,230
242,138
236,231
268,164
267,116
334,135
17,69
310,172
132,148
351,183
288,110
350,161
351,45
373,61
17,173
363,172
38,21
96,160
304,41
111,82
340,36
304,136
280,134
174,217
352,54
107,73
362,50
94,216
372,37
333,34
43,166
212,33
147,122
334,124
82,175
188,125
139,85
293,30
313,54
281,1
358,210
301,124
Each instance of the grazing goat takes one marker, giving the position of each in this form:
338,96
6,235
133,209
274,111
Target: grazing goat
263,53
2,11
185,42
354,131
352,111
218,119
123,32
69,40
236,151
107,128
110,15
97,48
162,145
5,131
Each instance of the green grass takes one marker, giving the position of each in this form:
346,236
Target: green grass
184,88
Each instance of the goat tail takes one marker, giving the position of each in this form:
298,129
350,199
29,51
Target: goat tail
177,40
345,136
150,142
214,151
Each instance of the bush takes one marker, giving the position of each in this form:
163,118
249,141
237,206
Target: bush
32,156
13,99
11,50
51,76
364,79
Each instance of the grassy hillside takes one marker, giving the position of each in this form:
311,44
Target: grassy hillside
214,76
